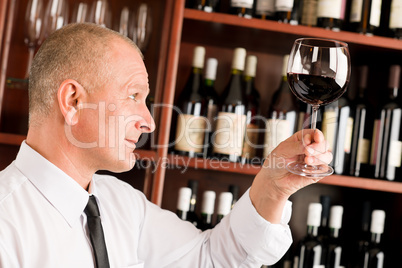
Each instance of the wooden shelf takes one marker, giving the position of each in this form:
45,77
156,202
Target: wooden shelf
255,31
249,169
16,139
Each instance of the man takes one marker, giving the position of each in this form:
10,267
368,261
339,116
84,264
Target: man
87,92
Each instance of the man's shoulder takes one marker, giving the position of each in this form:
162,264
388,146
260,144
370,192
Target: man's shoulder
10,180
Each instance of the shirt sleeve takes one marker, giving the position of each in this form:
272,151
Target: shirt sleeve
242,239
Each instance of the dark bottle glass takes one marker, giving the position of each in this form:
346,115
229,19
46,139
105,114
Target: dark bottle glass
192,215
191,123
323,230
264,9
330,14
363,238
309,250
288,11
395,21
183,203
234,189
206,5
252,110
373,254
362,130
343,138
387,135
212,99
365,16
282,114
224,205
332,257
242,8
207,210
231,121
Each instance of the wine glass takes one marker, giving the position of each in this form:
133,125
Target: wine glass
80,13
318,73
56,16
127,24
100,13
144,26
33,27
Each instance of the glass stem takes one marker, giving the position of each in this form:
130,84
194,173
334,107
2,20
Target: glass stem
314,116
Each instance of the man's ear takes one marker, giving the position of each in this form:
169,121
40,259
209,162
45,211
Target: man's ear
69,96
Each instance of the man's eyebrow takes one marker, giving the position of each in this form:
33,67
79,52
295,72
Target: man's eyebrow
141,87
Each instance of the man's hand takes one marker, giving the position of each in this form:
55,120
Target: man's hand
273,185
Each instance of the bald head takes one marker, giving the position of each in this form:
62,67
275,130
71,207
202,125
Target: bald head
81,52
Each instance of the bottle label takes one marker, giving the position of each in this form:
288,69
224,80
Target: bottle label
376,141
395,153
265,7
356,11
284,5
395,20
375,13
363,150
348,135
250,141
241,3
190,133
329,125
277,130
309,13
229,134
329,9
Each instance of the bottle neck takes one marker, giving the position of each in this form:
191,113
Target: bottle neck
312,230
236,72
181,214
249,81
193,201
393,93
334,232
375,238
209,82
207,218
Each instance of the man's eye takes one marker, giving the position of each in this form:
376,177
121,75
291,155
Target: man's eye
133,96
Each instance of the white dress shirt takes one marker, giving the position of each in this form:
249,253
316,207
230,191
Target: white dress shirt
42,224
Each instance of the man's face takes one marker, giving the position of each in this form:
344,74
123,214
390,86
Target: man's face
113,119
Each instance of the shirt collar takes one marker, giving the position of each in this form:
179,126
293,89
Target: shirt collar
62,191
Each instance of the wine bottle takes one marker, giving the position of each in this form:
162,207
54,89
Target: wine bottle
207,210
395,19
191,215
387,135
362,130
343,136
363,238
224,205
265,9
309,13
252,110
206,5
365,16
309,251
242,8
231,121
183,203
191,123
212,99
283,10
329,14
374,254
323,230
282,114
332,258
234,189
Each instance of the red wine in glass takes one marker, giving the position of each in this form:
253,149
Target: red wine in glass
318,74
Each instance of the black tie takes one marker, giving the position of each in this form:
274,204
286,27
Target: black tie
96,233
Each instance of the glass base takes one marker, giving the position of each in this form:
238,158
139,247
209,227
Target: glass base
302,169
